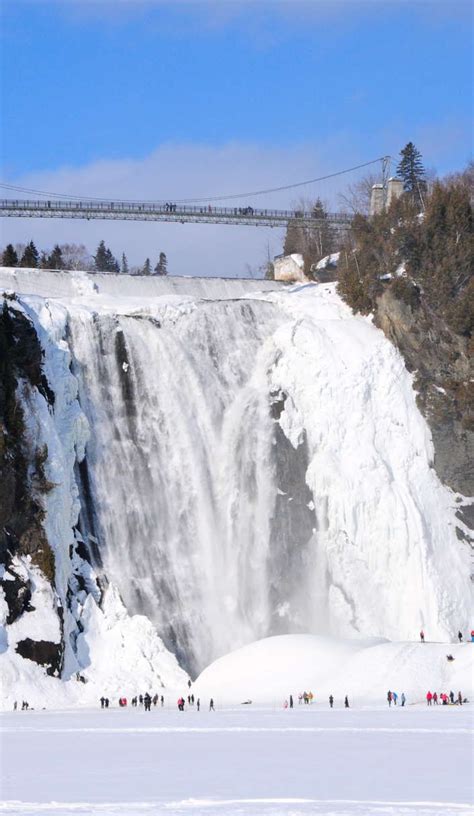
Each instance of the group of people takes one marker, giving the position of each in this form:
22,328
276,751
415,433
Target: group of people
434,698
392,697
308,697
181,702
24,705
460,637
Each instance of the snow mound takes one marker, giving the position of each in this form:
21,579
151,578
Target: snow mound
269,670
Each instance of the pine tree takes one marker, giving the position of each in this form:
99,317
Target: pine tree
55,260
146,267
412,173
9,257
161,267
30,257
44,260
124,267
104,260
100,258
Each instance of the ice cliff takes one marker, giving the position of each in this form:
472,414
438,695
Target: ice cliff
224,460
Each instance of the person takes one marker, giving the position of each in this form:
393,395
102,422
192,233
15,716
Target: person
189,683
444,698
140,699
192,699
285,704
162,701
459,698
107,702
472,635
310,697
300,698
331,701
211,705
451,696
389,698
155,699
449,658
198,704
460,636
180,703
429,698
435,698
395,697
346,702
15,705
102,702
291,701
403,698
422,636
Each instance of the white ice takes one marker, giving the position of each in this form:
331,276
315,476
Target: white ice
244,761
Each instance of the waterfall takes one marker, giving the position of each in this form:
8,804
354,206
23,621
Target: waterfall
185,473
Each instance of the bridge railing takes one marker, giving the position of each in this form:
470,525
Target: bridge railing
164,209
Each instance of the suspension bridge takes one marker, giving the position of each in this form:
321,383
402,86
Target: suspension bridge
178,213
197,211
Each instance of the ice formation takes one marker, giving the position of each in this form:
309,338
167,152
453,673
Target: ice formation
255,463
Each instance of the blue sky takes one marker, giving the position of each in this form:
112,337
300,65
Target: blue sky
95,95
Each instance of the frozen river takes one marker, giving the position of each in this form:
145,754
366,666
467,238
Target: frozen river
405,762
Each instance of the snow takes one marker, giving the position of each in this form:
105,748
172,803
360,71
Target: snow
181,457
245,761
328,260
271,669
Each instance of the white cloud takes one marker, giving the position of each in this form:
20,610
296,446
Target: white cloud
170,173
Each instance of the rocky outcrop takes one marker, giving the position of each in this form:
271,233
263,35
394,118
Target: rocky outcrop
42,652
441,362
22,478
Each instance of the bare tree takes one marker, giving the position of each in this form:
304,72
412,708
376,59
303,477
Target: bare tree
76,256
356,198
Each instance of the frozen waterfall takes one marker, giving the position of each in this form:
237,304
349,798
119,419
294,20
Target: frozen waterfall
257,463
184,469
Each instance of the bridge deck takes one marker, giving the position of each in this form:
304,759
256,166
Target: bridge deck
146,211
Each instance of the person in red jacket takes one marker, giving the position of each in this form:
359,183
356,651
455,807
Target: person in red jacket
429,698
422,636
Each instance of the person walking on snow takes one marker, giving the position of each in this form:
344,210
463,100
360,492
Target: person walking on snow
291,701
395,697
331,701
403,698
346,702
198,704
429,698
422,636
389,698
435,698
211,705
460,637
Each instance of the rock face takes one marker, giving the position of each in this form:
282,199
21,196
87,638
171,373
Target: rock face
22,479
442,364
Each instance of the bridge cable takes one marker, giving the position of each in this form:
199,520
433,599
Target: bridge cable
16,188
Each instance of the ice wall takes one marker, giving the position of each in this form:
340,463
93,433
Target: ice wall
257,465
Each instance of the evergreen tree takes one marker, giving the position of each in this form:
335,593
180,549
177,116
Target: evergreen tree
412,173
44,260
30,257
55,260
104,260
161,267
146,267
124,267
9,257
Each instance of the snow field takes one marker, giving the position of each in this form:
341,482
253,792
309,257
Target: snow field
269,670
238,762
